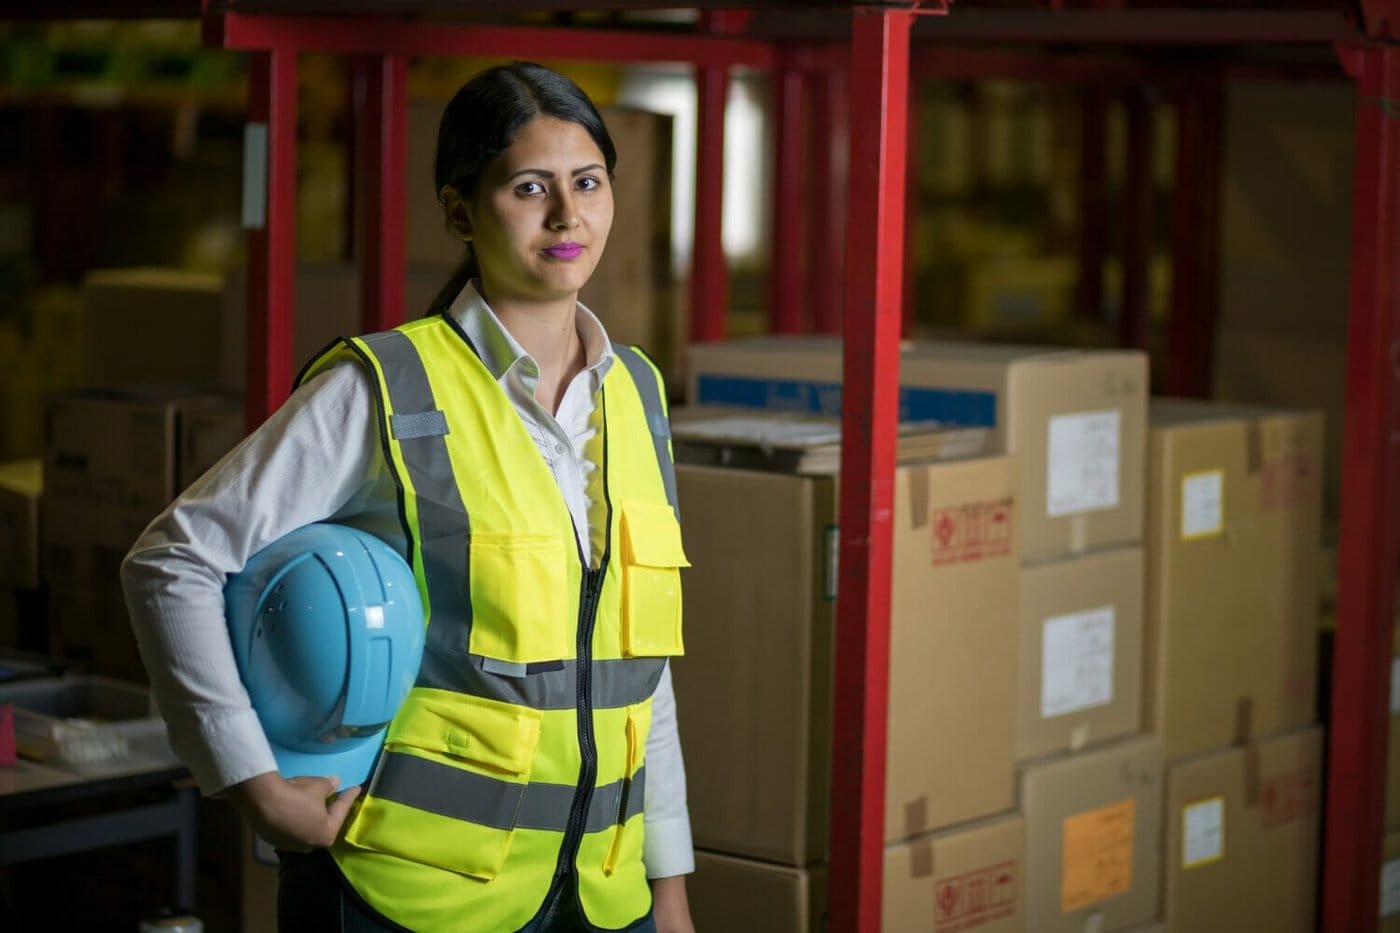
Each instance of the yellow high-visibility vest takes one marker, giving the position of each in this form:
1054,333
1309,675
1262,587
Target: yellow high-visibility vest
516,765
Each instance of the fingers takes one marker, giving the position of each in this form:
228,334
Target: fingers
340,809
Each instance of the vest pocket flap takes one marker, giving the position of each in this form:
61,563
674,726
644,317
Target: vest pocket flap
486,733
651,535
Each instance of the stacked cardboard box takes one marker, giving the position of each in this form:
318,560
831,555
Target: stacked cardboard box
113,459
756,679
1234,512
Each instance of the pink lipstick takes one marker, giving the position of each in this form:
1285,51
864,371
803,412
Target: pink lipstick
564,251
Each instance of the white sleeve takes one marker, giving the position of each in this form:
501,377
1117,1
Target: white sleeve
312,459
667,848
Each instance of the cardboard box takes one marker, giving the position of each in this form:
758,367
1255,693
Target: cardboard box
21,483
1242,837
1093,837
1390,884
1080,650
756,678
729,893
207,432
153,325
1076,419
121,447
1233,544
968,877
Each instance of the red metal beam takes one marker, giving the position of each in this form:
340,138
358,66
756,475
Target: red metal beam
1195,239
937,61
270,193
1135,311
1369,541
830,147
870,410
709,270
787,301
382,104
390,36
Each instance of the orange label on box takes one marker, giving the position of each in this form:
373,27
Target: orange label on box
1098,855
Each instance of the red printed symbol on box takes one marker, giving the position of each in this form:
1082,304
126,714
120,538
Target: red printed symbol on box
971,532
969,900
1288,797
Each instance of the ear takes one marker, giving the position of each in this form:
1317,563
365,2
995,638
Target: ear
454,209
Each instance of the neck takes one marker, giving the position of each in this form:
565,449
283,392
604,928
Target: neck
549,333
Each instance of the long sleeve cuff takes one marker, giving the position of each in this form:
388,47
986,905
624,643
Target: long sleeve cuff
667,849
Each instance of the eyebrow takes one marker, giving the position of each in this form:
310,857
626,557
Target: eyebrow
543,173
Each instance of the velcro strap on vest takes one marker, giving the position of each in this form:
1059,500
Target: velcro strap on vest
419,424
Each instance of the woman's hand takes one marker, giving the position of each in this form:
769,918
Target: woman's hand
669,905
296,815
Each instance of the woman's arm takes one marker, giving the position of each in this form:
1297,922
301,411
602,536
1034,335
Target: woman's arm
312,459
667,849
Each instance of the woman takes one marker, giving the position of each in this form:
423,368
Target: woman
509,446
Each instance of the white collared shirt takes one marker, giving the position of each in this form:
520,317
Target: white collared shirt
318,458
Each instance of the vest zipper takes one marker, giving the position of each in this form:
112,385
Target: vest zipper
588,772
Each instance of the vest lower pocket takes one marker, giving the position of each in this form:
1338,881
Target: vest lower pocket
519,593
651,580
450,783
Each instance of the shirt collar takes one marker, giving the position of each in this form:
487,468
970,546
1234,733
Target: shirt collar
500,352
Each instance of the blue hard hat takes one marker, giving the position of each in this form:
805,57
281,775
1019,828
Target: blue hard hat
327,628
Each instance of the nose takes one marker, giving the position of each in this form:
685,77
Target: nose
563,216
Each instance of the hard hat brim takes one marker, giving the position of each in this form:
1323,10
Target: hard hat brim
352,765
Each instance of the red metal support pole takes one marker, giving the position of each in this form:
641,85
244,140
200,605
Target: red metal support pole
787,300
269,215
1195,239
381,104
909,290
709,272
870,409
830,148
1093,202
1369,541
1135,320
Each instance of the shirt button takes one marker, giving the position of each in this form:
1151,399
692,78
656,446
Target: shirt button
558,448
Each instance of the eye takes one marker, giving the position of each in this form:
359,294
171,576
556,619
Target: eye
528,188
588,183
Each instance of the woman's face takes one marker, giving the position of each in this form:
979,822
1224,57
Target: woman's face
541,216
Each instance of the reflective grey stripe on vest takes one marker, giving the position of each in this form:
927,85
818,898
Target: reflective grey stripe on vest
657,421
444,527
617,682
487,801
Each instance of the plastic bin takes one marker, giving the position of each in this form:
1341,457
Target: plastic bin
87,723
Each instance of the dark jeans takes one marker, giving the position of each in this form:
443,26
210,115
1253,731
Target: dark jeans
313,897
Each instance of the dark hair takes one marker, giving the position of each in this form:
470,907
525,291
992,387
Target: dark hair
480,123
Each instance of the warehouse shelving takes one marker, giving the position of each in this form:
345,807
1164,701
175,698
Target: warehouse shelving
857,61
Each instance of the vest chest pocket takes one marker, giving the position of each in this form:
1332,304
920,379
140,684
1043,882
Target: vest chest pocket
449,785
519,586
651,580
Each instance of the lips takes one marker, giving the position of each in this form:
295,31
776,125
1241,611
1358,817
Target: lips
564,251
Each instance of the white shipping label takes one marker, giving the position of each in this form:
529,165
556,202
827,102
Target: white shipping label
1202,832
1076,670
1082,462
1390,888
1395,686
1202,504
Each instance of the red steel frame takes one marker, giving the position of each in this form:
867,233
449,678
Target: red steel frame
879,80
1369,544
381,154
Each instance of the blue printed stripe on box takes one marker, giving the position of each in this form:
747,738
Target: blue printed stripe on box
954,407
